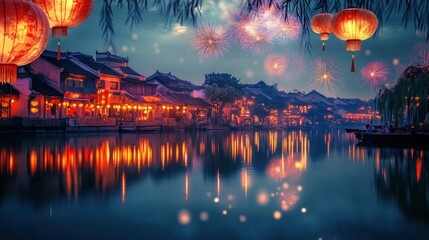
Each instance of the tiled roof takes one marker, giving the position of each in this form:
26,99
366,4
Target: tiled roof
80,56
69,66
128,70
188,100
43,87
170,81
132,80
101,67
8,89
23,72
108,57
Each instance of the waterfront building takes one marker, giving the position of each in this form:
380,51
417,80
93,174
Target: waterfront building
76,80
182,100
128,101
8,96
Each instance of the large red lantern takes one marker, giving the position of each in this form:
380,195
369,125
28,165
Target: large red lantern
24,33
65,14
321,24
354,25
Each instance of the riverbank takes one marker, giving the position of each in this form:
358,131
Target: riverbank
28,125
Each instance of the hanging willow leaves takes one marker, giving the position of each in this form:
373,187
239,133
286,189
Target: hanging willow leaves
407,101
412,12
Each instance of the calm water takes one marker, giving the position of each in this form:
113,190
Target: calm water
211,185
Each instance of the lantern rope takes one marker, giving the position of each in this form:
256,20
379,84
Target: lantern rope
59,50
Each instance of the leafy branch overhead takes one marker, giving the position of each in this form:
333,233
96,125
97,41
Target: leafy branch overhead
413,12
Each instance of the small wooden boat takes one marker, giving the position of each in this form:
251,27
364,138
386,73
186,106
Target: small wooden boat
352,130
394,139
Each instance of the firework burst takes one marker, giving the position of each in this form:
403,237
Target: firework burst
419,54
275,65
269,20
247,34
295,67
209,41
258,30
289,29
327,76
375,73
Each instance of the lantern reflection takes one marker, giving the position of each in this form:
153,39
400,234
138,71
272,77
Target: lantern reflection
111,162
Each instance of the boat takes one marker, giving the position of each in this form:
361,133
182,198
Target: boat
352,130
411,139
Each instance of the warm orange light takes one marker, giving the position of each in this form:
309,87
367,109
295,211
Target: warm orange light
34,103
34,110
24,33
354,25
321,24
64,14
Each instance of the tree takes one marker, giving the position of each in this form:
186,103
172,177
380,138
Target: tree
407,101
411,11
260,111
222,80
222,88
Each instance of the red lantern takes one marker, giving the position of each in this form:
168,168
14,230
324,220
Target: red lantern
24,33
64,14
354,25
321,24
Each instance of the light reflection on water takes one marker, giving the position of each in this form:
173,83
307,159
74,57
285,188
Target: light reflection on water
261,184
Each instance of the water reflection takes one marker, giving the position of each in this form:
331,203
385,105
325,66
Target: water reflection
401,175
42,168
241,175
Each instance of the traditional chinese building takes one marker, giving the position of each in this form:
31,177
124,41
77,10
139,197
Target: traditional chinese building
76,80
178,97
129,103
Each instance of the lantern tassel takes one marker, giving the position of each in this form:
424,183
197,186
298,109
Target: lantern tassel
353,62
8,73
59,50
323,46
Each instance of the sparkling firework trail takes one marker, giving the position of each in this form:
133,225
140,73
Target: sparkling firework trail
295,69
419,54
289,29
246,33
327,76
209,41
375,73
275,65
270,20
258,30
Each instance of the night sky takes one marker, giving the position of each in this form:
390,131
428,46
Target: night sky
153,46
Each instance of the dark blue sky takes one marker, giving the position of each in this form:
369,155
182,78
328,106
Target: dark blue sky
152,46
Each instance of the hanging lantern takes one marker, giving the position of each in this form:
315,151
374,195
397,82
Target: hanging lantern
321,24
24,33
34,103
354,25
64,14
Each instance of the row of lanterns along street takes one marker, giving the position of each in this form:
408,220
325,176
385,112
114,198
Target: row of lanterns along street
352,25
24,30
